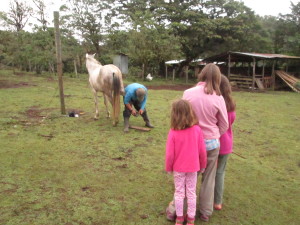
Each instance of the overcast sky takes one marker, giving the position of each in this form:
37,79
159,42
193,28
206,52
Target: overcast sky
260,7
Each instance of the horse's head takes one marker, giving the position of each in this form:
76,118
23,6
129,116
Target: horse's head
90,56
90,59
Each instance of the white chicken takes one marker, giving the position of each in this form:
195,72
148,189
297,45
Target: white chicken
149,77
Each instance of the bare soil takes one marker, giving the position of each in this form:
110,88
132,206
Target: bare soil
175,87
6,84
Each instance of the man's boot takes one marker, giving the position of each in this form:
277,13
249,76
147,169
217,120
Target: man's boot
147,121
126,124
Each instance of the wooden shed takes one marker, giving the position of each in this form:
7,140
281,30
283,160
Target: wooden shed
121,60
174,65
254,70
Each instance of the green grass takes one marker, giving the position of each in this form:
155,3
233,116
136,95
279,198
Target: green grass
62,170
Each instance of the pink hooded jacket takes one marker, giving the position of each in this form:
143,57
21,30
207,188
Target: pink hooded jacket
185,150
226,140
210,110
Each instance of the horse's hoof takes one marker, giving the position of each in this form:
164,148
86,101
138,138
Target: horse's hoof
95,118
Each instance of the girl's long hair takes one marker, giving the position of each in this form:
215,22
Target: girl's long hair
211,75
226,91
182,115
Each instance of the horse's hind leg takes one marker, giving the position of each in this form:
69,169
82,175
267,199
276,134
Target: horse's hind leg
105,103
96,105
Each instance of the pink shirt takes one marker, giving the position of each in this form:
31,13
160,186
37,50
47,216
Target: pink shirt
226,140
210,110
185,150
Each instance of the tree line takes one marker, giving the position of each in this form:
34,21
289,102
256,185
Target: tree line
150,32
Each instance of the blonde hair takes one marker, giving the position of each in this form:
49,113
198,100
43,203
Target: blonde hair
211,75
226,91
182,115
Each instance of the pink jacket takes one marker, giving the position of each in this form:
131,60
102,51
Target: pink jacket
185,150
226,140
210,110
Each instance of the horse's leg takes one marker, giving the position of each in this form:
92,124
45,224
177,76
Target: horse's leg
96,104
105,103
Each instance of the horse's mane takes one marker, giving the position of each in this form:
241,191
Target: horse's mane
94,60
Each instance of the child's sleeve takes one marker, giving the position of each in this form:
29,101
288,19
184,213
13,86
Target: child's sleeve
222,117
202,150
170,150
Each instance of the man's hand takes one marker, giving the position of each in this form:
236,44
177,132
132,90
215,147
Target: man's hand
141,111
133,112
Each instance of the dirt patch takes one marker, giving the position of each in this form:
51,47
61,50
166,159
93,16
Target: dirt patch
50,79
7,84
183,87
34,112
19,74
175,87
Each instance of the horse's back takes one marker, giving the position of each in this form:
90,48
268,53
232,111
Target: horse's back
108,70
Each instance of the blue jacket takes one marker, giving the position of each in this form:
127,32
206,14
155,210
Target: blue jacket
130,94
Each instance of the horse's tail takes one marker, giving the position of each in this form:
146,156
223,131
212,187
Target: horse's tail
116,98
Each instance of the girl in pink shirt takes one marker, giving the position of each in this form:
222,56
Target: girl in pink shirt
226,143
185,156
210,108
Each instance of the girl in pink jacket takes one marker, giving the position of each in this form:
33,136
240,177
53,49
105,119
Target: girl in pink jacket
226,143
185,156
210,108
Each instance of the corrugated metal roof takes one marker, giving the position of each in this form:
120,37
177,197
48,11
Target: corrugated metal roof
266,55
246,57
174,61
171,62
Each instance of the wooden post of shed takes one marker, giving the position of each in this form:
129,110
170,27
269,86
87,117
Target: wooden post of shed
229,61
263,70
273,75
59,62
287,66
173,75
186,74
166,71
253,74
248,71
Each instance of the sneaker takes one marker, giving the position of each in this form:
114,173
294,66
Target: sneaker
190,221
179,220
217,206
204,218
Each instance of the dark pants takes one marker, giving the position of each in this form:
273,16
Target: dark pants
137,106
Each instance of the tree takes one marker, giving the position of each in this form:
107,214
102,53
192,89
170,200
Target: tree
18,15
41,9
89,18
288,31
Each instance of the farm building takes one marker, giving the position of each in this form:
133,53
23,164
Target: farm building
121,60
173,65
257,70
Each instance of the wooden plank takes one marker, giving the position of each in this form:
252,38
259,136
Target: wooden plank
240,78
287,79
146,129
259,84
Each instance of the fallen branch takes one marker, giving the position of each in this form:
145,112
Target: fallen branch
140,128
239,155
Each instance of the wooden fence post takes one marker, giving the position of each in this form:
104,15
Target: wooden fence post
59,62
253,74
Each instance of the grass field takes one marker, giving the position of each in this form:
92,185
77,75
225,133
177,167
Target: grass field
56,169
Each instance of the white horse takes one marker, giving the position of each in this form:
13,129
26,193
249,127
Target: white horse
108,80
